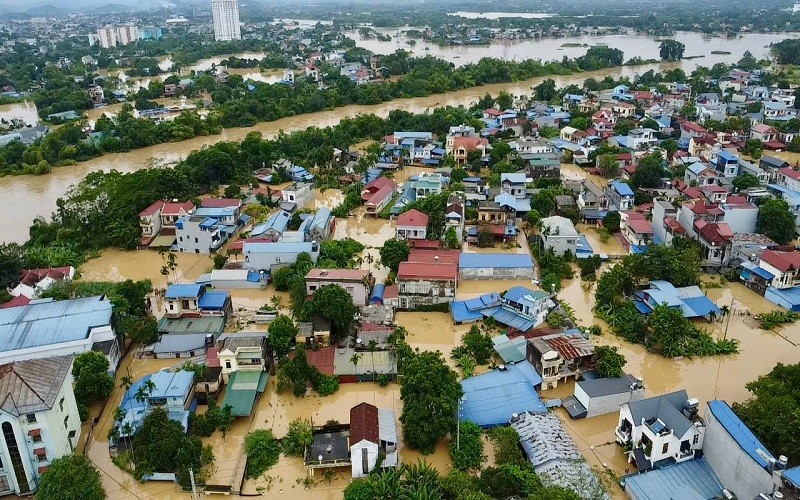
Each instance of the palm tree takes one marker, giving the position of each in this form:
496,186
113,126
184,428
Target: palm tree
372,345
354,359
276,302
126,382
127,429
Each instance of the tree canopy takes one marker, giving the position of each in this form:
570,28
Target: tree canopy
393,252
671,50
92,381
262,450
609,361
71,477
282,334
776,221
430,393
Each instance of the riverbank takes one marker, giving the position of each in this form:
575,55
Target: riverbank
28,197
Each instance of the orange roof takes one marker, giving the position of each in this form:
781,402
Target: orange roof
427,271
783,261
469,143
413,218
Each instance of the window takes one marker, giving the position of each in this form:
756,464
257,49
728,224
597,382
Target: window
37,438
665,448
66,421
228,365
4,486
31,418
696,439
61,404
196,240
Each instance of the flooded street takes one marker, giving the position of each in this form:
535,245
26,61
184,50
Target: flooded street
30,196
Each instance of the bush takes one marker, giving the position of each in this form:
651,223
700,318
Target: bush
219,261
383,379
609,362
466,450
262,452
507,451
479,345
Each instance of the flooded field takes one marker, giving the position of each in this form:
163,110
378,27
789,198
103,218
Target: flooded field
119,265
24,111
369,231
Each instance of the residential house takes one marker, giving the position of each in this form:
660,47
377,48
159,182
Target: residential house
373,433
637,139
531,146
689,300
560,356
554,456
789,177
514,184
493,398
593,201
493,213
454,215
559,235
772,165
39,418
745,167
661,430
495,266
620,196
243,353
296,196
162,215
700,174
662,230
427,184
268,256
774,110
273,228
542,165
171,391
427,277
600,396
32,282
715,238
475,188
691,129
192,301
377,194
45,328
783,266
743,464
463,146
637,231
764,133
356,282
199,234
412,225
727,164
458,131
571,134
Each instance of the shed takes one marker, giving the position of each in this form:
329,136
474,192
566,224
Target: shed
376,297
692,480
243,391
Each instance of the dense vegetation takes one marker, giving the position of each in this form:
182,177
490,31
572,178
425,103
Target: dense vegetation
665,331
71,477
773,413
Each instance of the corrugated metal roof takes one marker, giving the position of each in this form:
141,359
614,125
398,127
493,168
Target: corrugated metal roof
171,384
180,291
242,390
739,431
32,386
692,480
52,322
793,476
492,398
214,300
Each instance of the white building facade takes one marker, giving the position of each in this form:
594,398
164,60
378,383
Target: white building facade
226,20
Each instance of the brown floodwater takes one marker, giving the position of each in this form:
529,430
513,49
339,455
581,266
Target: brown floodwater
119,265
30,196
367,230
25,111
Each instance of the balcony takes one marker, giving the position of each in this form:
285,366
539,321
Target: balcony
623,436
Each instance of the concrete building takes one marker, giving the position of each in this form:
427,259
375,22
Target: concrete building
743,465
242,354
268,256
661,228
427,277
493,266
46,328
373,432
661,430
171,391
297,196
39,419
107,36
356,282
559,235
412,225
199,234
225,14
127,33
560,355
601,396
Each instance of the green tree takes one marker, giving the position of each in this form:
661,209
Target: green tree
71,477
671,50
507,481
233,191
753,148
430,393
466,449
773,413
219,261
545,91
92,381
485,237
608,165
282,334
623,126
745,180
649,171
297,438
393,252
611,222
609,361
479,344
262,450
451,239
282,278
335,304
776,221
143,331
505,441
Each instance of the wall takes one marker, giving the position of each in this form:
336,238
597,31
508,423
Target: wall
739,473
561,244
742,220
495,273
606,404
357,290
356,457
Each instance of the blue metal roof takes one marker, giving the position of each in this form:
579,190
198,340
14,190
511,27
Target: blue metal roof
793,476
700,306
52,322
521,294
180,291
377,293
495,260
739,431
622,188
511,318
213,301
461,313
490,399
788,298
692,480
171,384
728,156
279,247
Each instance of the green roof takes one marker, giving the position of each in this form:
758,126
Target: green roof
242,390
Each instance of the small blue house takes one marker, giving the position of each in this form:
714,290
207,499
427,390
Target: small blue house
172,391
491,399
690,300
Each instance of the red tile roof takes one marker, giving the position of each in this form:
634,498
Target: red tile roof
790,173
429,256
155,207
321,359
174,208
212,357
673,224
31,277
16,302
492,112
693,127
364,423
375,198
469,143
774,145
220,202
640,226
718,233
783,261
425,244
391,292
421,270
378,184
413,218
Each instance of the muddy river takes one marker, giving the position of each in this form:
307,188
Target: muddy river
27,197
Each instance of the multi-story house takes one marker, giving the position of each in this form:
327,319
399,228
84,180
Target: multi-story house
774,110
412,225
620,195
454,214
463,146
637,230
592,198
193,301
455,132
691,129
269,256
783,266
297,196
660,430
700,174
559,235
242,354
727,164
514,184
39,419
764,133
171,391
162,214
356,282
199,234
377,194
715,238
559,356
430,278
662,211
427,184
542,166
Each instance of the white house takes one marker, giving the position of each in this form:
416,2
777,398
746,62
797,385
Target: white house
605,395
412,225
784,266
660,428
34,281
372,432
559,234
39,419
298,194
242,354
264,256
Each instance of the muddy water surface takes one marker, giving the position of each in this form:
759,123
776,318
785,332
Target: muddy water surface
25,111
119,265
30,196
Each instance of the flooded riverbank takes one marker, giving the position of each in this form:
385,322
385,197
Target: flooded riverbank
30,196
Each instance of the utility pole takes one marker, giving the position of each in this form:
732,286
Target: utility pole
195,496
